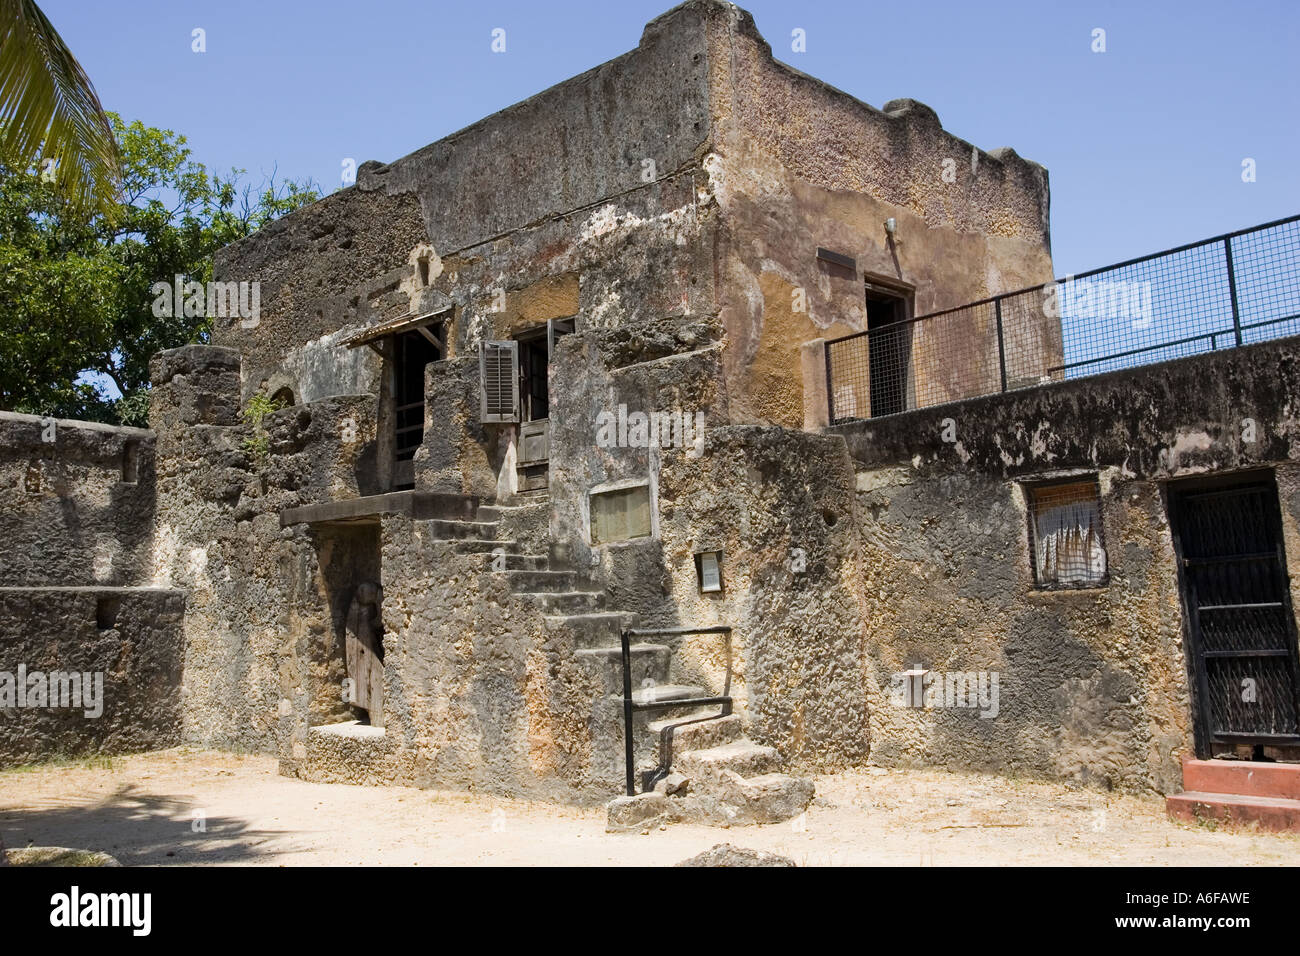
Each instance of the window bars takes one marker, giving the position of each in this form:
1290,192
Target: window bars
1235,289
1065,534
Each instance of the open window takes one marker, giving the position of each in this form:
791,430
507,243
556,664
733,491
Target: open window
412,351
515,387
406,344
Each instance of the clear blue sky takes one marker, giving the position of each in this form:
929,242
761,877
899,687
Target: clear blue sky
1144,142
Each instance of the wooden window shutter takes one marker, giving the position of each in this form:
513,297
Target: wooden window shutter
620,515
498,365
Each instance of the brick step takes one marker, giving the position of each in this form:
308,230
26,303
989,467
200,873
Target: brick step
1270,813
740,801
348,752
497,512
1252,778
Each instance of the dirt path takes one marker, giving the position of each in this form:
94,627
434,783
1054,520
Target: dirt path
141,809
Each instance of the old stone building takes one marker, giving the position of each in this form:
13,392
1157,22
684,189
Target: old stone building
684,343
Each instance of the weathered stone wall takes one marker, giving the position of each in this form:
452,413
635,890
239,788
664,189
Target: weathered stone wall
797,165
1093,682
776,502
68,513
77,509
593,178
259,623
125,642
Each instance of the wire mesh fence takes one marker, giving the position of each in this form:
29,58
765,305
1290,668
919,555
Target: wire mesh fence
1235,289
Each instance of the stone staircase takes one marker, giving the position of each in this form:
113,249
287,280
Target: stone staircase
1239,792
717,776
702,767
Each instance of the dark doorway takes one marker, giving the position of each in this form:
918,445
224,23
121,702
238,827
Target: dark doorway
536,349
1241,641
412,351
889,346
534,395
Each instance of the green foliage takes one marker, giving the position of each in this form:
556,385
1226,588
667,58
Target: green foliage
75,285
258,444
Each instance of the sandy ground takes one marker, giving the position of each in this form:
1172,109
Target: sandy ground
142,809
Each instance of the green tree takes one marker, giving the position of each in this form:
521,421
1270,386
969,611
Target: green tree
75,281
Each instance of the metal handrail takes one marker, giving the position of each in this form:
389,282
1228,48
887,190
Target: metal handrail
1073,277
630,706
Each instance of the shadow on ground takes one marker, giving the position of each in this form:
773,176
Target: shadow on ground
144,829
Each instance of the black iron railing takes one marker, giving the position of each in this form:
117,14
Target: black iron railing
1235,289
648,700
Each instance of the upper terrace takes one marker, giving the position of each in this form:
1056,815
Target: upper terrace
1236,289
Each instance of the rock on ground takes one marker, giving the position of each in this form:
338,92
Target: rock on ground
724,854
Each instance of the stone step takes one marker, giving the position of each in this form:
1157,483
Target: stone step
695,731
743,757
349,752
1276,814
561,602
666,692
516,562
767,798
524,499
597,629
649,662
499,511
546,581
1252,778
462,530
470,546
741,801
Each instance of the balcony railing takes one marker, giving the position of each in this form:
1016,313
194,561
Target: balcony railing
1234,289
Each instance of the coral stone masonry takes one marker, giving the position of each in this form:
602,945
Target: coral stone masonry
685,426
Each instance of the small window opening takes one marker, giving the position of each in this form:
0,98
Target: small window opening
106,610
283,398
1065,534
131,461
621,514
708,571
422,265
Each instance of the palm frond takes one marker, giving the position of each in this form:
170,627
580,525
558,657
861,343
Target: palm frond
49,108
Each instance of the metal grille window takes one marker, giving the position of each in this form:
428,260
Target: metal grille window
1065,534
498,364
620,514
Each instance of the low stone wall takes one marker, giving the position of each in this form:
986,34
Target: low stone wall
108,660
76,502
1092,683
